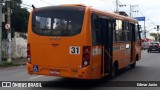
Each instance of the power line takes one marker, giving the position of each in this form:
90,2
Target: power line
46,2
27,5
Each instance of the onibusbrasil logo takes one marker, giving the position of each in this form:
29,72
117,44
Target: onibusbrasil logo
21,84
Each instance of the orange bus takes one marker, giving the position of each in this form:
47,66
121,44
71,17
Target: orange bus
78,41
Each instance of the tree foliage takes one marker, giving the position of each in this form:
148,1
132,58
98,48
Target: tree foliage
155,35
19,19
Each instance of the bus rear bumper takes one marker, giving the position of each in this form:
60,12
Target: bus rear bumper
79,73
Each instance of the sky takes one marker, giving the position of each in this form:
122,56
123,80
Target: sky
150,9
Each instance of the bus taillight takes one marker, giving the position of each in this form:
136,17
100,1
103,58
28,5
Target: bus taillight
86,56
28,53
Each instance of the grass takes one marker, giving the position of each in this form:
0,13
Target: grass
7,64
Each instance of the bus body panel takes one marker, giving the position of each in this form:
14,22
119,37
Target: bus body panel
96,61
82,73
122,54
46,51
54,55
136,51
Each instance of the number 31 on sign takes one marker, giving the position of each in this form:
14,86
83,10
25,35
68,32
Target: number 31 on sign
74,50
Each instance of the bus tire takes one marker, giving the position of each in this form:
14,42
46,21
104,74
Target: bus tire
114,70
133,65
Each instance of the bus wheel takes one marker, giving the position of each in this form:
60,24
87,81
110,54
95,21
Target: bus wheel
114,70
133,65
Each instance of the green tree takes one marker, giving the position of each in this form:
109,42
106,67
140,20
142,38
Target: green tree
19,18
16,3
155,35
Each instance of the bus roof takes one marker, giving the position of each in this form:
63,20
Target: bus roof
110,14
114,15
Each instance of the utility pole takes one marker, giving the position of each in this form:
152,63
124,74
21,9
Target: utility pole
8,27
131,9
145,32
1,31
117,10
130,13
157,33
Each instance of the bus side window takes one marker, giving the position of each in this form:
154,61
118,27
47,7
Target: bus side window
114,31
119,31
127,31
137,33
95,24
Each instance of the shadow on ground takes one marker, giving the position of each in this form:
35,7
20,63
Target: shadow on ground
64,83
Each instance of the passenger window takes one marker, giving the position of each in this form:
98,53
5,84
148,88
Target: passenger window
119,32
137,33
126,30
43,22
114,33
96,38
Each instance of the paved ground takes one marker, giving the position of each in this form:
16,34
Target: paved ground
148,69
18,61
21,61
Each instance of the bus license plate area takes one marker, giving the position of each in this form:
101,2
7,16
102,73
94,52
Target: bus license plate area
54,72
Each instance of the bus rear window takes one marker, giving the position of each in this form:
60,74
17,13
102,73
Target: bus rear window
58,21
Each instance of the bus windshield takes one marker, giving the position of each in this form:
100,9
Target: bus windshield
58,21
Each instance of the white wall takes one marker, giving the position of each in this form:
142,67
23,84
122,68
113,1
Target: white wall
19,47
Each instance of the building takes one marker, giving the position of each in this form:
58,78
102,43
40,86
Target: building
19,47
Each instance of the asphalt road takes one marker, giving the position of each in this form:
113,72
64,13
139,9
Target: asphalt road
148,69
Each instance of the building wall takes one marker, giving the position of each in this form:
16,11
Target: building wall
19,47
